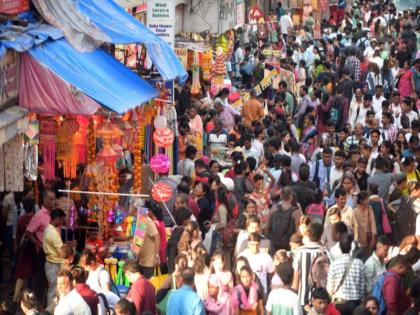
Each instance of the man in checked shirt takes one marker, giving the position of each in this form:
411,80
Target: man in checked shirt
346,279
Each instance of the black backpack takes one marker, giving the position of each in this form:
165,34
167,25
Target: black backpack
281,227
336,112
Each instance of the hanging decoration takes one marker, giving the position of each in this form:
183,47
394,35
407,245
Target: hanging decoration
160,122
48,138
163,137
106,131
207,58
80,138
138,149
66,148
219,67
13,164
160,163
162,192
91,142
196,86
140,232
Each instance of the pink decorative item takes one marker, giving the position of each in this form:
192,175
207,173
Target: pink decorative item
160,163
163,137
161,192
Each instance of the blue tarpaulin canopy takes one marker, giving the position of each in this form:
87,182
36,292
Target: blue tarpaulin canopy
95,73
22,38
82,19
123,28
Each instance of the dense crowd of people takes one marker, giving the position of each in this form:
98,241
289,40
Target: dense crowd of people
304,201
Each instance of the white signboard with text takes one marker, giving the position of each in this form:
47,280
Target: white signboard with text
161,19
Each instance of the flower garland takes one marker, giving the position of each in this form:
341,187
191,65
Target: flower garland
91,141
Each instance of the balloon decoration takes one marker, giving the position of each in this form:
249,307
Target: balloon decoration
160,122
162,192
163,137
160,163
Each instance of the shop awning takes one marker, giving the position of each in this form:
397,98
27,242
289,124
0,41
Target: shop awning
96,74
125,29
23,37
43,92
116,24
13,120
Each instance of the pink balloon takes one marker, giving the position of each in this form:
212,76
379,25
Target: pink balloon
160,163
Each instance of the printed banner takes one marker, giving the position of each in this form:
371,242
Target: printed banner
161,19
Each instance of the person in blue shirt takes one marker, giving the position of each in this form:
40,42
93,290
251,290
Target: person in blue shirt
185,301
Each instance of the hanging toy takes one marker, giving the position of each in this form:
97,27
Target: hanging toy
107,262
113,268
120,275
129,221
133,226
72,216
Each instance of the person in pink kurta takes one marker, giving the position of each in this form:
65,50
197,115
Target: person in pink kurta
196,127
406,81
217,301
196,124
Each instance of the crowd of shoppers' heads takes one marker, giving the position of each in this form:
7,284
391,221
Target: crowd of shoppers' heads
298,192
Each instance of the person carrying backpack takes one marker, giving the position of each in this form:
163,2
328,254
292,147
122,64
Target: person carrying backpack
389,291
281,223
302,263
338,108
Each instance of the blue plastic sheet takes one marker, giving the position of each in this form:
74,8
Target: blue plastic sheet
21,38
97,74
122,28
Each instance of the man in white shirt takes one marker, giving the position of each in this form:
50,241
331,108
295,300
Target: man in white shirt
261,262
370,50
377,100
356,102
337,170
286,24
407,112
358,115
70,302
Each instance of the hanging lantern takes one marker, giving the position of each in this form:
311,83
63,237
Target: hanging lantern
107,131
162,192
163,137
160,163
160,122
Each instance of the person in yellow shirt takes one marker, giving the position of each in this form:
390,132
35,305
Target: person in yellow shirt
52,245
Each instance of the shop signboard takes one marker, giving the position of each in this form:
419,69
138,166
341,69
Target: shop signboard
240,12
161,19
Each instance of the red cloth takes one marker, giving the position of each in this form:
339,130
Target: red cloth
396,299
91,297
142,294
193,206
331,310
25,267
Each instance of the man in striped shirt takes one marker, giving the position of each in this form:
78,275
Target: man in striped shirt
305,255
